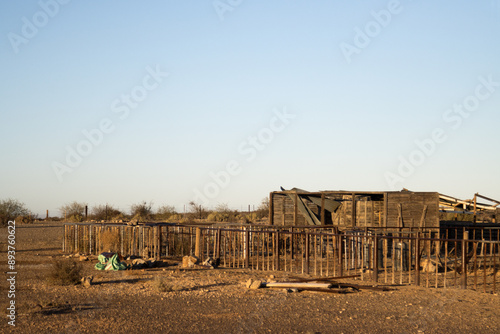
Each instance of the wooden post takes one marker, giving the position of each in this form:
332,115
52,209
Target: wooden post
339,252
86,212
47,217
64,239
307,253
91,244
122,237
197,248
271,208
158,242
464,259
277,249
375,258
417,260
247,248
76,238
217,244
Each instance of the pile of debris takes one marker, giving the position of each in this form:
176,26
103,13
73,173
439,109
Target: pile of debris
326,284
194,262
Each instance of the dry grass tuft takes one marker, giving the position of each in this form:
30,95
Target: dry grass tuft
160,284
65,272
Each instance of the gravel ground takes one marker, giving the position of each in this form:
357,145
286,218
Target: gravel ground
173,300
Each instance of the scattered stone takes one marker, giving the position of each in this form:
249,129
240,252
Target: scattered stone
87,281
189,261
133,222
368,272
427,266
139,263
255,285
211,263
83,258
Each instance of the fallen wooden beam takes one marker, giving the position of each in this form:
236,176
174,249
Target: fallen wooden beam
367,287
299,279
327,290
296,285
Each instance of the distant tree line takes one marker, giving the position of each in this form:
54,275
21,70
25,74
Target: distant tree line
11,209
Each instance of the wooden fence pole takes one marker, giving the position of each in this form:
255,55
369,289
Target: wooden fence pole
277,251
217,244
375,258
417,260
307,253
339,252
464,259
247,248
197,248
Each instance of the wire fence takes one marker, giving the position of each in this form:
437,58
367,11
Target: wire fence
451,257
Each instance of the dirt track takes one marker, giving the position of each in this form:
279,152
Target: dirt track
216,301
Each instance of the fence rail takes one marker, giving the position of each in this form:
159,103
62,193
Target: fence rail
420,257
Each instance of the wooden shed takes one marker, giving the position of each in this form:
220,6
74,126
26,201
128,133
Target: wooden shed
354,209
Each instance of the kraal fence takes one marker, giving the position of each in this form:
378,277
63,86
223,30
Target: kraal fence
451,257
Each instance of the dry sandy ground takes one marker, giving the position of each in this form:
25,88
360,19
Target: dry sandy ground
216,301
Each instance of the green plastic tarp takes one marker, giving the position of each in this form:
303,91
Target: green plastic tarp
112,263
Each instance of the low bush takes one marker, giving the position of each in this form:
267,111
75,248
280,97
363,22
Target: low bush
10,209
105,212
65,272
162,285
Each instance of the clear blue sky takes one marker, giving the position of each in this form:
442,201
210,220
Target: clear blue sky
356,85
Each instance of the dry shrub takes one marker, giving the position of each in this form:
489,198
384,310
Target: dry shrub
65,272
161,285
138,218
24,220
174,218
110,241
